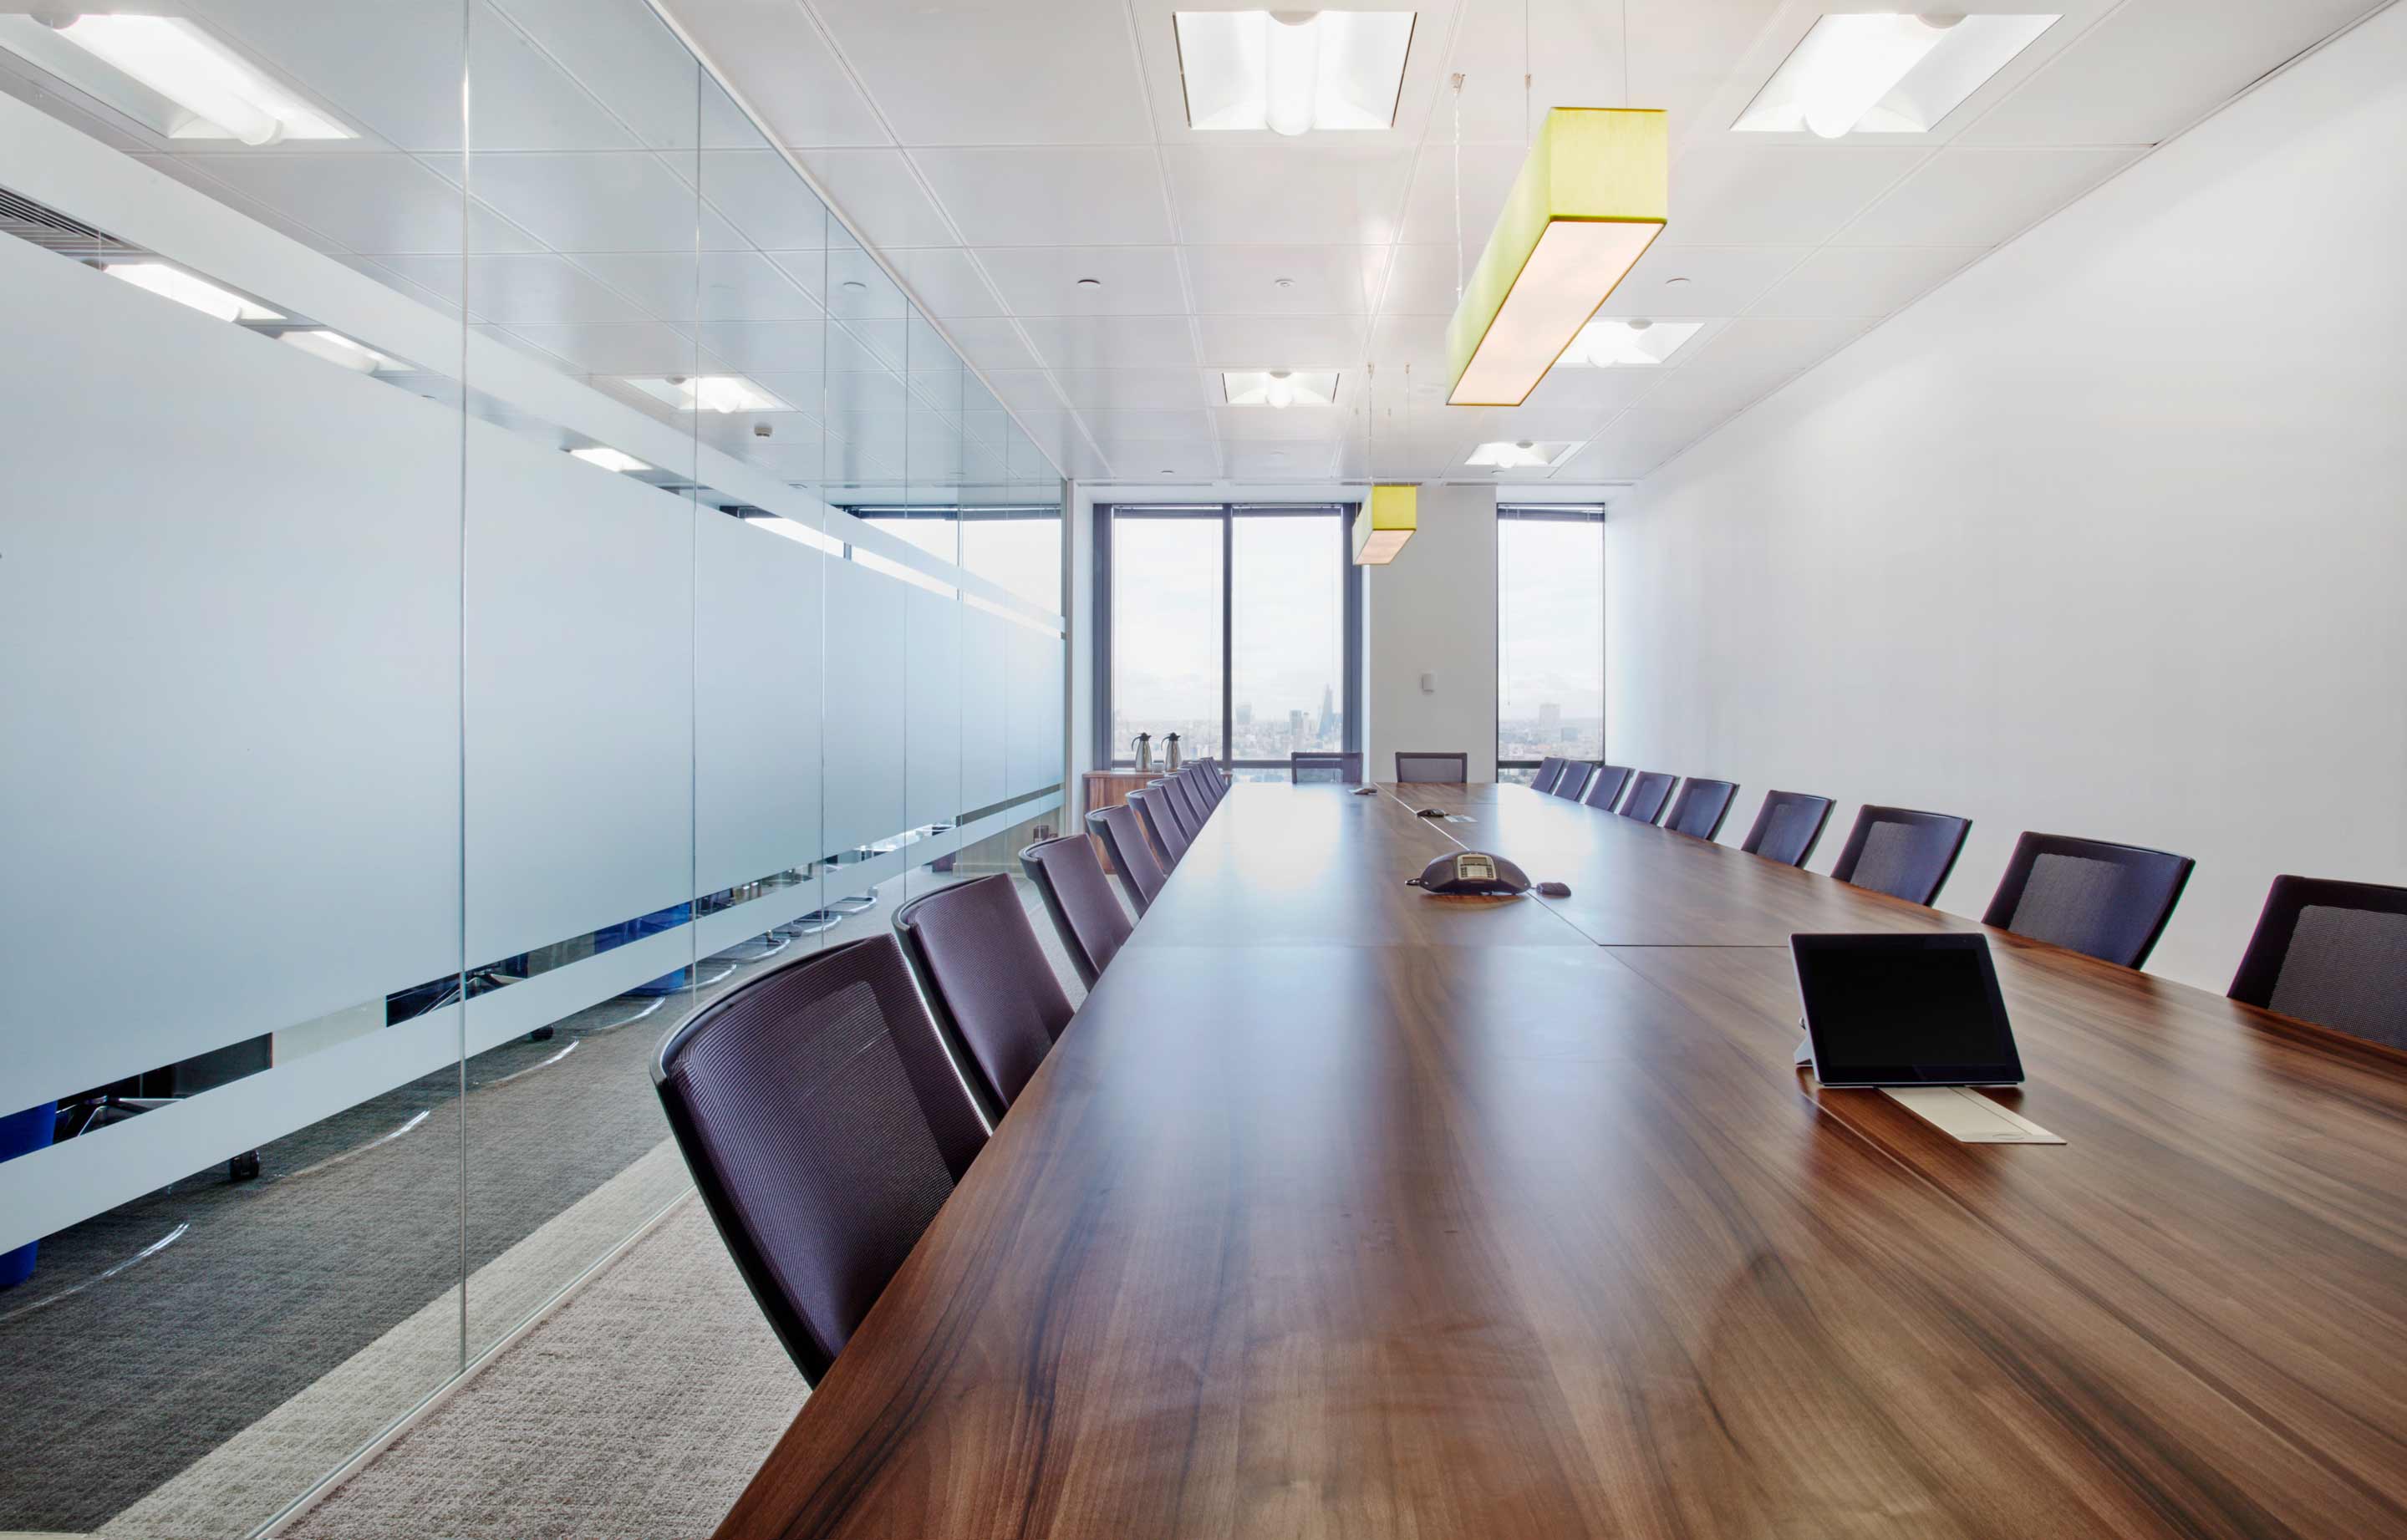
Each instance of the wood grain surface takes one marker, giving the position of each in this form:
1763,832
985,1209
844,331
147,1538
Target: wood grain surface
1410,1221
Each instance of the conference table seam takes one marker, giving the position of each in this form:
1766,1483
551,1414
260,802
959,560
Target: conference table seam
1439,825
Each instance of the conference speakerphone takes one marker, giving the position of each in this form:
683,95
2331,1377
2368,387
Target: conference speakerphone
1904,1010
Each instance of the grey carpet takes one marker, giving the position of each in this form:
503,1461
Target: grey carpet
115,1389
638,1409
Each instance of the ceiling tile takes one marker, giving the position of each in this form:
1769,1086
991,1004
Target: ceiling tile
991,343
1486,175
1635,443
767,345
2153,67
722,285
1104,195
1783,344
1864,281
1298,193
1729,194
979,72
1138,389
1113,429
762,197
945,280
1111,342
1279,462
1145,462
778,59
599,203
1723,280
1257,424
1979,197
1043,281
1320,280
1283,342
877,192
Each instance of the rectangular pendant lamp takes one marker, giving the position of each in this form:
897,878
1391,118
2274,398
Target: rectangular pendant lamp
1591,198
1385,523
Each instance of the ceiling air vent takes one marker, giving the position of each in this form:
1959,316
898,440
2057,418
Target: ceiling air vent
46,227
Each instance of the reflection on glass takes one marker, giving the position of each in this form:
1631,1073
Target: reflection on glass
1286,598
1166,633
1549,635
1020,549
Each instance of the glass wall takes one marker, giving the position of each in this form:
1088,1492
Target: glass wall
431,589
1549,637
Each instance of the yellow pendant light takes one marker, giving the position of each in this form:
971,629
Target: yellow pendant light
1591,198
1391,514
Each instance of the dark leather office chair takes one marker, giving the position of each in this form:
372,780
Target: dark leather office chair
824,1129
1699,809
2332,953
1648,790
993,995
1440,768
1550,770
1572,783
1132,854
1787,827
2110,902
1900,852
1304,766
1189,801
1216,782
1069,878
1605,787
1169,809
1167,836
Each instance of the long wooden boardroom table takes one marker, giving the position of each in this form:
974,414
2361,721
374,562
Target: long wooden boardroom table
1345,1210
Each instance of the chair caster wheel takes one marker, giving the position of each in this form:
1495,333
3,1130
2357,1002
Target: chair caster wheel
243,1167
540,1035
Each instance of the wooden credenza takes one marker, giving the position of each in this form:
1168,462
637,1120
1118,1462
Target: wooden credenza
1101,788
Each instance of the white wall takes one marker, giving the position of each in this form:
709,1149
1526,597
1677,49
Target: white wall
1433,609
2107,537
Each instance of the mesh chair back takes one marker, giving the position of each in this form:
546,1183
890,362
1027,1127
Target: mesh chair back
1574,780
824,1130
1605,787
1169,809
1550,770
1787,827
1132,854
1900,852
1699,809
1070,877
1432,768
992,992
2334,953
1168,837
2105,901
1648,790
1341,769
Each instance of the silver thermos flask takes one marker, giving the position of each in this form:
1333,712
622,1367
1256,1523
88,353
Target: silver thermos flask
1170,755
1145,752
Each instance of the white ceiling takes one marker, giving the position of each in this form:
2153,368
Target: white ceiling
998,151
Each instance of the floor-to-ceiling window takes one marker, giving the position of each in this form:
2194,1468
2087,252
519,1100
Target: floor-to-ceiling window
1230,626
1549,637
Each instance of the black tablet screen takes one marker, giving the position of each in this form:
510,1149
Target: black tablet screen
1904,1010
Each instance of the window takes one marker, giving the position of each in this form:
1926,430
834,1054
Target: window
1232,627
1549,637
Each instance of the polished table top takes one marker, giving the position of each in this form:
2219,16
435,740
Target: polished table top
1342,1212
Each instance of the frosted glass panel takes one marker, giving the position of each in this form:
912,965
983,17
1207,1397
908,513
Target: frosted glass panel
756,760
935,737
866,706
986,660
1036,761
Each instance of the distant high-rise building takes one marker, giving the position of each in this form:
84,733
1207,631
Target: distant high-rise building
1246,714
1550,716
1328,713
1295,726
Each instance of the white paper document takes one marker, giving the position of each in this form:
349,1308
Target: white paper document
1968,1116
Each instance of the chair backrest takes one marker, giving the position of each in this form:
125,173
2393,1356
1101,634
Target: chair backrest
1699,809
1070,877
824,1129
1574,780
1168,837
1900,852
2334,953
1202,782
1648,790
1605,787
1188,801
1209,780
2109,902
1787,827
1169,809
1132,854
1550,770
993,995
1432,768
1305,766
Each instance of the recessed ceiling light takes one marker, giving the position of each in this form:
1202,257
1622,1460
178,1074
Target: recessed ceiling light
1605,344
855,285
170,76
1884,74
176,284
709,393
1670,283
1279,387
1090,284
1524,454
609,459
335,347
1282,283
1292,71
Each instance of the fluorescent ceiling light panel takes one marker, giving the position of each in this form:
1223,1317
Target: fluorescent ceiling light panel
335,347
222,95
1591,198
1279,387
709,394
1524,455
1643,344
1885,74
609,459
1291,71
176,284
